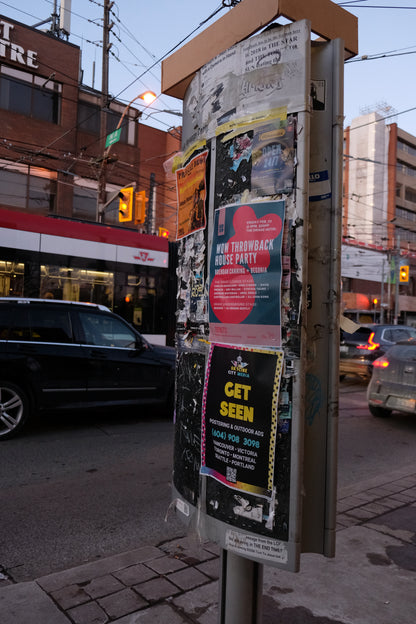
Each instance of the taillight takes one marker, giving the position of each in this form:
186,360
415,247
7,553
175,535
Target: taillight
381,362
371,345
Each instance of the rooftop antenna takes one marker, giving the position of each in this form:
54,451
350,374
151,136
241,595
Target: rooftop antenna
382,108
65,17
60,23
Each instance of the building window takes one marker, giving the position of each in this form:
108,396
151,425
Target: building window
30,95
89,117
89,120
410,194
402,213
85,205
406,147
405,168
112,123
410,215
406,236
28,188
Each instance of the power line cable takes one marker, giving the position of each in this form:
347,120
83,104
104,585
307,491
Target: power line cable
172,49
376,57
375,6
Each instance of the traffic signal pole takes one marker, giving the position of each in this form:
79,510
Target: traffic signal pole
149,222
397,279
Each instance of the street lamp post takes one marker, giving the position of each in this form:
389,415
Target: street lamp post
148,97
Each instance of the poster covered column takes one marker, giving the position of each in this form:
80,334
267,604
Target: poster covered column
242,182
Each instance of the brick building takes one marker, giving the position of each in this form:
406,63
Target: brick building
51,150
52,143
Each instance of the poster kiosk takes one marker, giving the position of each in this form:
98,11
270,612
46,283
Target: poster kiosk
259,186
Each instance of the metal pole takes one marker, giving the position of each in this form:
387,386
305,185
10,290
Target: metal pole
389,288
240,590
150,208
382,293
397,278
101,194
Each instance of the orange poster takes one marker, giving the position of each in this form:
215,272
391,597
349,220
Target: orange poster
191,192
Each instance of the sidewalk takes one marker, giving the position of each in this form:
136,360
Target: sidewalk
371,580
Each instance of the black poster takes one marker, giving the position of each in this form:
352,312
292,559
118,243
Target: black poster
240,417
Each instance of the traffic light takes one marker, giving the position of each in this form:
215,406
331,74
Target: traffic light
163,232
125,206
404,273
140,207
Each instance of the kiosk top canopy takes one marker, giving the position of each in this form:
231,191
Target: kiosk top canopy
328,20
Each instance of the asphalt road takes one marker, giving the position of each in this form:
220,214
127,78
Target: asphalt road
369,446
98,484
92,486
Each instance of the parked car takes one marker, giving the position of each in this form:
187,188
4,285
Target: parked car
359,349
61,354
392,385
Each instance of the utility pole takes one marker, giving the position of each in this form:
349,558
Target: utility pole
102,178
382,295
397,278
149,224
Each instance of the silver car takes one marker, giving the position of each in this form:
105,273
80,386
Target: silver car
392,386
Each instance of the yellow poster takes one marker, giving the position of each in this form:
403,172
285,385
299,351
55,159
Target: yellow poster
191,193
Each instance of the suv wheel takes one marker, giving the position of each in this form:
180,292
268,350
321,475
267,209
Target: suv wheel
380,412
14,409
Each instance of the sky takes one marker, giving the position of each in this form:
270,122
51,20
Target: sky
145,32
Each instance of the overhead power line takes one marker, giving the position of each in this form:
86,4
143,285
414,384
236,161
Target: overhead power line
375,6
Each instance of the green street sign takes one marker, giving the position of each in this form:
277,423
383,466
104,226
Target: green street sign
113,137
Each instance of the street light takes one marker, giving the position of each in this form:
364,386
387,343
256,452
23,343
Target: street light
148,97
170,112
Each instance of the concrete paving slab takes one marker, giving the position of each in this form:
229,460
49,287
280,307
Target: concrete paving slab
159,614
90,613
361,585
201,604
122,603
87,572
26,603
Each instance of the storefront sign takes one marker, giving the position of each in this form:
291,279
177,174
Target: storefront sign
12,51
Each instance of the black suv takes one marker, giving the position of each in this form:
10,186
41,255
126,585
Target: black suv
359,349
62,354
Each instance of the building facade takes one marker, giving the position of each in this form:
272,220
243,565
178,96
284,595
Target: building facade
51,152
52,165
379,220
